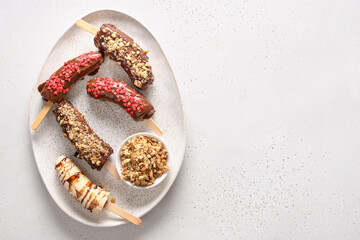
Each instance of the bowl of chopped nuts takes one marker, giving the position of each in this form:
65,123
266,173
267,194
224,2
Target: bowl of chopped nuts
142,160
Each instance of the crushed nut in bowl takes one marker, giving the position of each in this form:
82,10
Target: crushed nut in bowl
144,159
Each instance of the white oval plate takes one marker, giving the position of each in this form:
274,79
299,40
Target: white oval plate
109,121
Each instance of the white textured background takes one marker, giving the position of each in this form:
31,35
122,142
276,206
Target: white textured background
271,93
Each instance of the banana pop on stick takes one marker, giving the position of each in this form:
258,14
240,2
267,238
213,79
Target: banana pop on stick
88,144
124,50
60,82
91,196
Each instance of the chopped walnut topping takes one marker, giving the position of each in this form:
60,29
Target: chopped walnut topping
130,54
143,160
89,146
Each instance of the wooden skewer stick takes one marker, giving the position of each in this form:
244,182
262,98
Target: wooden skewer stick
42,115
93,30
122,213
87,27
153,126
112,169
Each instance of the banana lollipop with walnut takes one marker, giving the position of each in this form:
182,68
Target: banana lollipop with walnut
122,49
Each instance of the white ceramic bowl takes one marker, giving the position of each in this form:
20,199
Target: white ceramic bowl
119,165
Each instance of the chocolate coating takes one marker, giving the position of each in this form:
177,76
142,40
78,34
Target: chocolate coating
125,55
57,86
112,90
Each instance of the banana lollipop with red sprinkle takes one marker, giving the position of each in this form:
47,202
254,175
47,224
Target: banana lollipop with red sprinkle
118,92
60,82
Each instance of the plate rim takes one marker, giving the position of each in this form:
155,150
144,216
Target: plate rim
32,132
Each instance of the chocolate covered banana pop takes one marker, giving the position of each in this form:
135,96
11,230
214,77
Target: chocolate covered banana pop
91,196
88,144
59,84
112,90
61,81
122,49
